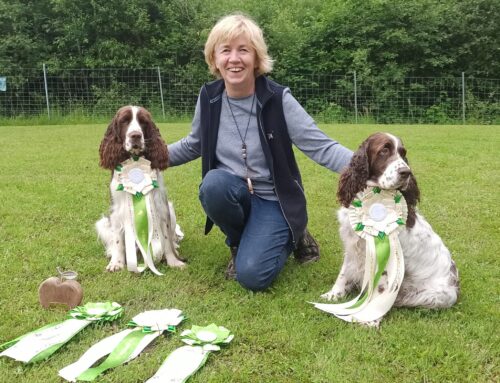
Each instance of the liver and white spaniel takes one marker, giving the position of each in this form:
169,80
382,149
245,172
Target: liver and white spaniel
431,277
132,132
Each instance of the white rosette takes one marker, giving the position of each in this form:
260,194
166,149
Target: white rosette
136,176
377,210
377,216
123,346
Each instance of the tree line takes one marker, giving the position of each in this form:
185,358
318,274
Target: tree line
389,38
381,40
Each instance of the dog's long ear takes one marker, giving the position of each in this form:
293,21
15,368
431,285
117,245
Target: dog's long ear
412,196
156,149
354,178
111,151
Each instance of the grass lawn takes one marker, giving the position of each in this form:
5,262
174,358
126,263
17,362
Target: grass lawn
53,191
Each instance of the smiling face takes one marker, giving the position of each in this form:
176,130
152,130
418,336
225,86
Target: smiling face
236,61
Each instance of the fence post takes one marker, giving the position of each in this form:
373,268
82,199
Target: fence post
463,97
46,90
355,99
161,92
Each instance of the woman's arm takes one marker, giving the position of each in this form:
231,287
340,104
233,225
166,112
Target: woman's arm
312,141
189,147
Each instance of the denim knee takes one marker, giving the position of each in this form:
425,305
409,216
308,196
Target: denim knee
251,277
214,185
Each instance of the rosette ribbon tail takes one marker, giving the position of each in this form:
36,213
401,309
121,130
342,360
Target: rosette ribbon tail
374,301
42,343
124,346
139,231
186,360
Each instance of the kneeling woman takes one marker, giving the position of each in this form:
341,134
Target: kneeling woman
243,129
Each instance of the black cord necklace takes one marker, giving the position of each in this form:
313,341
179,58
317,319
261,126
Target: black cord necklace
243,140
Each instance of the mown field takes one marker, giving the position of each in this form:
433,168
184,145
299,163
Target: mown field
53,191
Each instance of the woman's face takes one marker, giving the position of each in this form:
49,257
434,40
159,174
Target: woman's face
236,62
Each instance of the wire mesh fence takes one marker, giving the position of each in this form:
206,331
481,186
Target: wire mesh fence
172,95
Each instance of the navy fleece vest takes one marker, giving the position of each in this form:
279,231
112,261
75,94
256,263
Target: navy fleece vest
275,141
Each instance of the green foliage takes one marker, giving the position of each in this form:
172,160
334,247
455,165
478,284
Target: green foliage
383,41
53,191
380,38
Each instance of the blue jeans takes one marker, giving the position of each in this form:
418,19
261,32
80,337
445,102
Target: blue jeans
255,225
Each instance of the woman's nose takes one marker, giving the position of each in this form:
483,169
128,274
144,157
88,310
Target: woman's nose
234,55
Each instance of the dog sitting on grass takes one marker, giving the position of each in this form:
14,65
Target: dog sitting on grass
132,134
430,275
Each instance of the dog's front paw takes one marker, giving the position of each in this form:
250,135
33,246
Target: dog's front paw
174,262
115,266
372,324
334,294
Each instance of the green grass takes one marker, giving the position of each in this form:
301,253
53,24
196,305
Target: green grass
53,191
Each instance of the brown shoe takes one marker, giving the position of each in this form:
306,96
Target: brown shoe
231,269
307,250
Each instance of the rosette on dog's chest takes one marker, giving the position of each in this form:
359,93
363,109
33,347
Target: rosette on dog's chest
136,176
377,216
376,212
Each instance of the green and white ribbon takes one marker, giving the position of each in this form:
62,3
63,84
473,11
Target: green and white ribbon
42,343
377,216
123,346
186,360
142,224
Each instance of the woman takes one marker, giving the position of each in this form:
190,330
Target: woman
243,128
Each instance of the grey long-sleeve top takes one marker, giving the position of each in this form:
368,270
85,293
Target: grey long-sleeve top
302,130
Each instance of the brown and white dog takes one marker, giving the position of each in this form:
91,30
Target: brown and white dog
431,277
133,132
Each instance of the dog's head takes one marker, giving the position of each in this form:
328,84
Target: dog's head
380,161
132,132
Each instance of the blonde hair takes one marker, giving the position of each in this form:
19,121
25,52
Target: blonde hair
231,27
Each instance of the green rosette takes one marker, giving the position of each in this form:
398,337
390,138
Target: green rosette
42,343
184,361
209,337
97,311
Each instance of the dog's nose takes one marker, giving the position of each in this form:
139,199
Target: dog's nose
134,136
404,172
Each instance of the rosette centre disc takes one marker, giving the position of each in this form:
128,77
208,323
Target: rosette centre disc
378,212
206,336
136,176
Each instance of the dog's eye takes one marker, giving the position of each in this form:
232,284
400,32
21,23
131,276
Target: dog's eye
124,121
384,152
